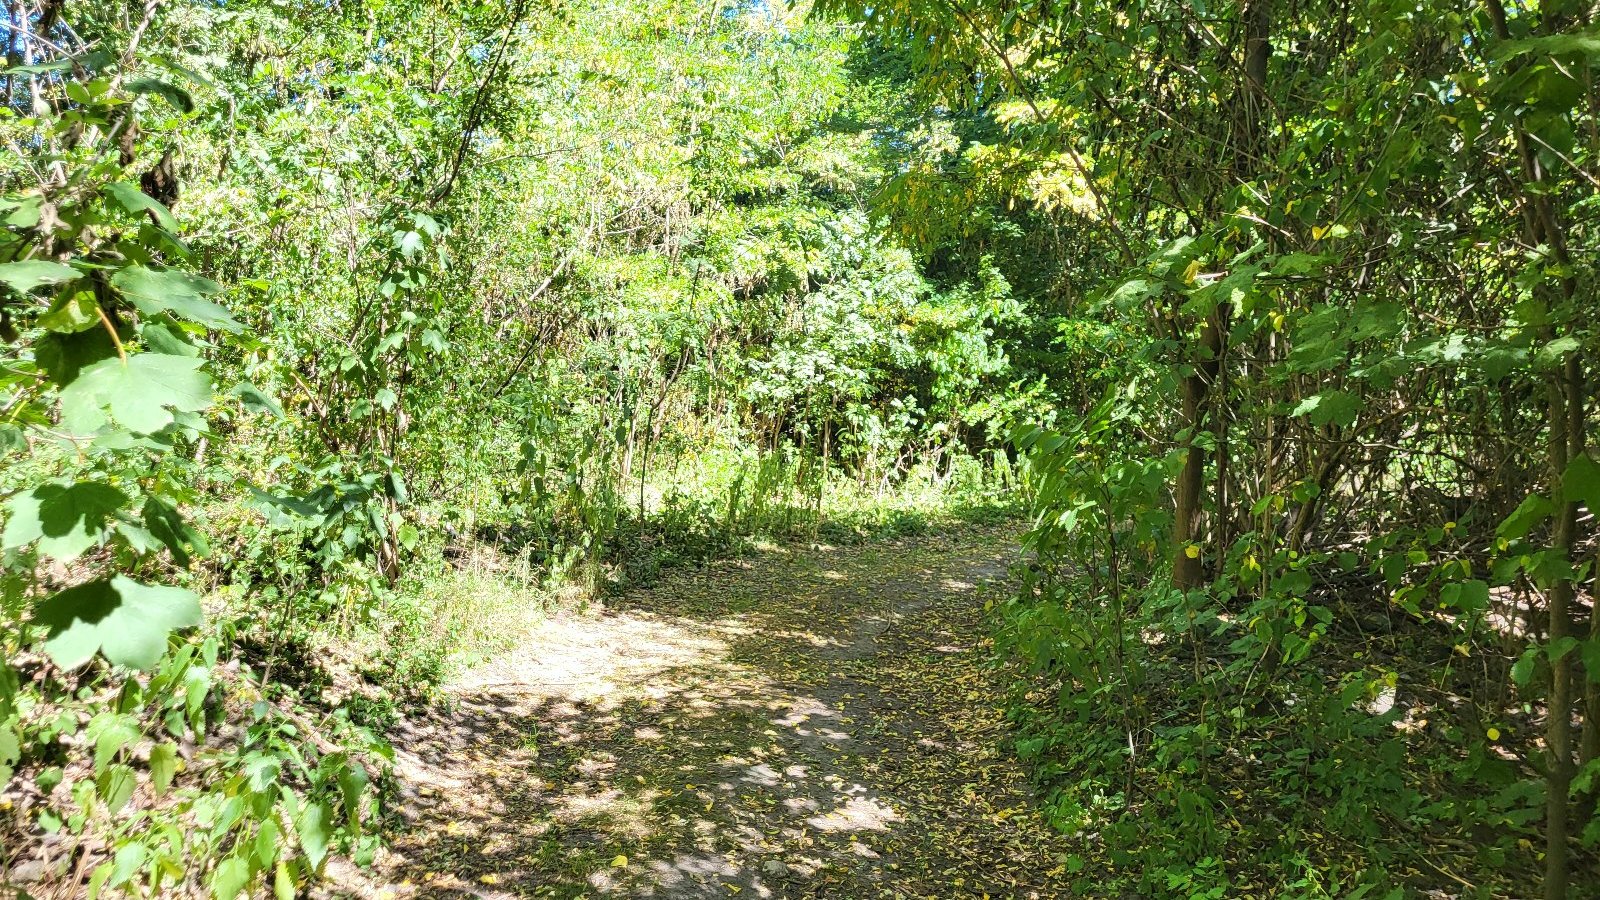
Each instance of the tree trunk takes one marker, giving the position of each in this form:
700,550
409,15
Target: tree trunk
1250,110
1589,745
1566,437
1188,565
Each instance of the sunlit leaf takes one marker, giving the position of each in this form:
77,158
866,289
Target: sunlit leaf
31,274
65,518
180,293
126,621
139,393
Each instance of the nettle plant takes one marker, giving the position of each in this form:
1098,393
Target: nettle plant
104,389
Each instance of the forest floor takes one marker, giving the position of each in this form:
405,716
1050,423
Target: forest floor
801,723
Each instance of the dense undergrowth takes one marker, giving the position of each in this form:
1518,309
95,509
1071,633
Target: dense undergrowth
1310,597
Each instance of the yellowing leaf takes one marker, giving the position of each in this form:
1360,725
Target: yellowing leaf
1494,734
1192,551
490,878
619,862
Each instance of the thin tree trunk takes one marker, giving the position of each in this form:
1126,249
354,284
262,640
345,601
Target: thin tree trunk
1188,565
1566,434
1589,744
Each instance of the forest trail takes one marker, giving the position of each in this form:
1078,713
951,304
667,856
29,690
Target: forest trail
800,724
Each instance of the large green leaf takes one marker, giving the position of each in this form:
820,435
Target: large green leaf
115,786
313,825
1335,407
230,878
1533,510
76,311
256,400
164,523
29,274
140,393
66,519
1576,42
121,618
163,765
180,293
1581,482
64,355
177,96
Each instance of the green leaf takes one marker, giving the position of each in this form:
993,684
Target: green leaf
1134,291
1575,42
353,782
167,526
1522,669
12,439
1299,263
130,198
141,393
127,862
180,293
196,687
266,844
73,312
127,621
115,786
1559,649
29,274
111,732
261,771
1589,652
166,336
1336,407
282,882
1467,596
177,96
312,826
97,880
1553,353
163,766
10,749
230,878
20,212
256,400
1530,512
63,356
66,519
1581,482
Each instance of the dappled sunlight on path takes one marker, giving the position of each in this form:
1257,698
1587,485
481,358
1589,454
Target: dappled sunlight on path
796,725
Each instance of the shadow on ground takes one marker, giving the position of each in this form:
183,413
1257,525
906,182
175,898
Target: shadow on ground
797,725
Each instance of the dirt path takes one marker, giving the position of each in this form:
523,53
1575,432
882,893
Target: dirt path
795,725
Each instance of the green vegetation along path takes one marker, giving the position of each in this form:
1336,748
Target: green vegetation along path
799,724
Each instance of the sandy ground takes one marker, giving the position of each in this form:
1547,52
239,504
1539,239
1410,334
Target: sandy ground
797,724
